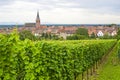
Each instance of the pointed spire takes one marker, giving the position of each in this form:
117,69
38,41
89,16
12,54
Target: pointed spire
38,20
38,15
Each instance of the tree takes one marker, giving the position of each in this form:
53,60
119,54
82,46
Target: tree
82,31
54,37
49,36
26,34
76,37
92,35
118,34
111,25
106,36
72,37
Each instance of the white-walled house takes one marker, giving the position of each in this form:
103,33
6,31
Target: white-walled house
114,33
100,33
36,34
64,35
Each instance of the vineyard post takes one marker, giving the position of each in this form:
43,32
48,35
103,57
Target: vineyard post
96,64
95,67
91,71
83,75
88,74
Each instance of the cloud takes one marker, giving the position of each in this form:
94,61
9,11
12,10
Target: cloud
112,5
60,11
5,2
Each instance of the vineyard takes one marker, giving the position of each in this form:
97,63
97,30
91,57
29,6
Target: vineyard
49,60
111,68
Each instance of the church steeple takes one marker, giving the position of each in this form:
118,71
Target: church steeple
37,20
38,15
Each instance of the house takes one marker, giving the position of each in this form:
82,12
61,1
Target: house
64,35
100,33
91,30
114,33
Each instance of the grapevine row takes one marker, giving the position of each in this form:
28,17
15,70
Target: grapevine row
48,60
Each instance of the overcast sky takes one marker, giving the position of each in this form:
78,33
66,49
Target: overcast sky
60,11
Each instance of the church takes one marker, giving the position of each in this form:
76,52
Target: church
36,25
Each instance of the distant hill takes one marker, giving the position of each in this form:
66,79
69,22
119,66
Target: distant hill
21,25
9,26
